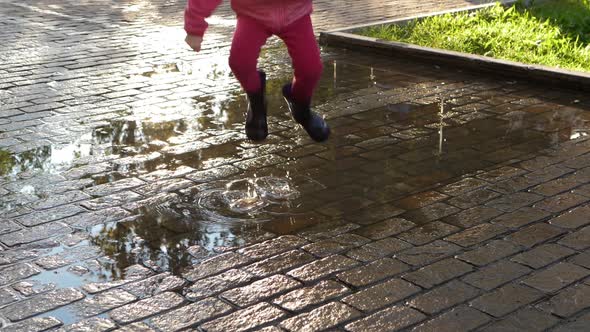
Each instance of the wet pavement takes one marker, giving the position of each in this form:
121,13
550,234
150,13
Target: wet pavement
131,199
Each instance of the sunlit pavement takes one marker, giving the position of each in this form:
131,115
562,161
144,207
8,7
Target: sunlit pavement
130,197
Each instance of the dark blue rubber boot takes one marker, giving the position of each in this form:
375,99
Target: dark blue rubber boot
315,126
256,126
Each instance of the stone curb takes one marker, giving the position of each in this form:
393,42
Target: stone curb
547,75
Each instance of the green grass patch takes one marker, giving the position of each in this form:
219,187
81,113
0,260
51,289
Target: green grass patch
553,33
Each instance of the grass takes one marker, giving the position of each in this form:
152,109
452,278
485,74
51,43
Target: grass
554,33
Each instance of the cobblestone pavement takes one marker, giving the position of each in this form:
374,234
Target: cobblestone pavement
131,200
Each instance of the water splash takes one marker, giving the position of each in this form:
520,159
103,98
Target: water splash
246,200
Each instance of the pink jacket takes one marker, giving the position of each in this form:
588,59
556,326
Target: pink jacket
275,14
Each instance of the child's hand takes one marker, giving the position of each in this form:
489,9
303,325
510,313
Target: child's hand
194,42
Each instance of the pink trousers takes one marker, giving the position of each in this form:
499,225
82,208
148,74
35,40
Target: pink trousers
250,36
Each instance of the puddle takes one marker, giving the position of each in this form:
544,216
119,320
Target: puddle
162,69
245,200
210,221
394,134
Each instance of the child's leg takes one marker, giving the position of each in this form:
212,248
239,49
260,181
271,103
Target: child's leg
307,63
248,39
305,53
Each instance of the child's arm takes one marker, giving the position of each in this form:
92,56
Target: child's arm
195,13
194,20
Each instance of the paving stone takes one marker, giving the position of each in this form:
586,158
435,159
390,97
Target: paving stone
506,299
33,234
568,302
525,319
476,235
582,259
557,186
577,240
112,200
381,295
135,327
575,218
422,255
217,284
104,302
300,299
375,250
87,220
546,174
260,162
439,272
15,255
390,319
278,264
513,202
271,329
459,319
91,324
40,304
114,187
260,290
556,277
8,226
216,265
428,233
374,214
322,318
17,272
583,190
430,213
131,273
502,173
344,206
67,257
561,202
521,217
41,217
33,287
33,325
7,296
322,268
375,271
273,247
245,319
157,200
385,228
578,324
145,308
443,297
163,282
496,274
420,200
190,315
56,200
327,230
543,255
198,252
473,198
535,234
335,245
472,217
462,186
213,174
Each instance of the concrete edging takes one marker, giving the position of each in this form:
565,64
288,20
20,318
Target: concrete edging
547,75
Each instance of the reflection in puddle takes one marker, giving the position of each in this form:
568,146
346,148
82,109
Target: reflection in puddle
172,234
